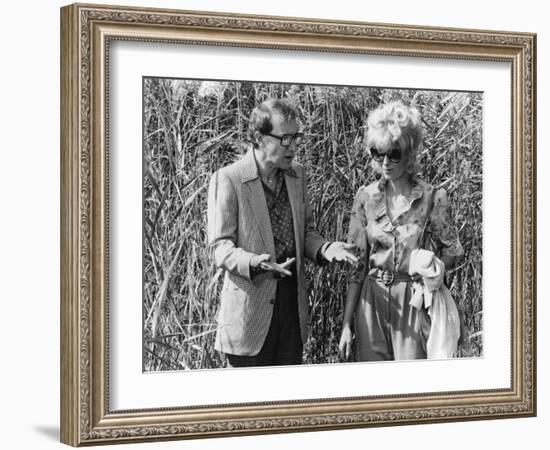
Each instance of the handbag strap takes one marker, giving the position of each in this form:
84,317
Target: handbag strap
423,240
367,250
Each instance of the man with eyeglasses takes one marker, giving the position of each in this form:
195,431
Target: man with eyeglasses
261,228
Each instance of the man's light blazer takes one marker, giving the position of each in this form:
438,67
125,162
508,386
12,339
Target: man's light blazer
239,227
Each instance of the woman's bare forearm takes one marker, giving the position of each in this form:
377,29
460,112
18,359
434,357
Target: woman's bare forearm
354,291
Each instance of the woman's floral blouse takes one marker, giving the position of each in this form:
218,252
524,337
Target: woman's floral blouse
392,242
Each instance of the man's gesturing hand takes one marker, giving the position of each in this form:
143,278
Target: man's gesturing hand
265,262
340,251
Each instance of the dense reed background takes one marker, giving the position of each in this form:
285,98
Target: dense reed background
192,128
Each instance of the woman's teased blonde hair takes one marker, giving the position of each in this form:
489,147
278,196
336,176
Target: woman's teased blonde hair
393,123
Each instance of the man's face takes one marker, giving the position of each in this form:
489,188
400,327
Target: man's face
274,152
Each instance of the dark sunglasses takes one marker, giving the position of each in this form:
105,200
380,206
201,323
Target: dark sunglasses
286,139
394,155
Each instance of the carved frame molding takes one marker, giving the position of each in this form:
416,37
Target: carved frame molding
86,31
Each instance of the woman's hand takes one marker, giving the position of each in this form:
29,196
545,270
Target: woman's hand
344,347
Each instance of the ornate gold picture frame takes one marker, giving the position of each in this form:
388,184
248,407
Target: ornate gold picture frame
87,33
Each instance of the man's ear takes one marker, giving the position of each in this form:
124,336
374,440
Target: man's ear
257,138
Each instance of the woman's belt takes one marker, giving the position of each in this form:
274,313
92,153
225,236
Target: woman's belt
389,276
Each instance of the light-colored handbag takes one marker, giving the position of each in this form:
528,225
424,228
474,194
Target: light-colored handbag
445,328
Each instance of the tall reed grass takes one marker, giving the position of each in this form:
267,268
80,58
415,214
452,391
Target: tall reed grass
192,128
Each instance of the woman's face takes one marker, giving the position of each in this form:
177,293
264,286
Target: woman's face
393,162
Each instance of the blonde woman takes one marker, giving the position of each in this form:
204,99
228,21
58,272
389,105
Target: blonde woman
390,219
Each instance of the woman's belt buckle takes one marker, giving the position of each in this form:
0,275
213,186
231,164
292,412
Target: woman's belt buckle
387,277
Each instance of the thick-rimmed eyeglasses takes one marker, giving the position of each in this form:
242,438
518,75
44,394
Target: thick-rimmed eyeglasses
394,155
286,139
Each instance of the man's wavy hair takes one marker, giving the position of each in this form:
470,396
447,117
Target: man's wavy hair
261,117
392,123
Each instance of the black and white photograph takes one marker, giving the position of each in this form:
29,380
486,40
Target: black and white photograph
279,221
288,224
